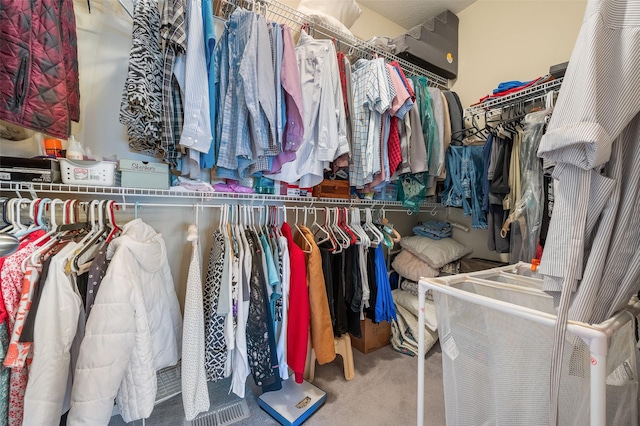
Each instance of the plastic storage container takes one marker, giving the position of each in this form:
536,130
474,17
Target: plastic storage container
93,173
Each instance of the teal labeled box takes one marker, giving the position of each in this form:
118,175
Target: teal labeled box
144,174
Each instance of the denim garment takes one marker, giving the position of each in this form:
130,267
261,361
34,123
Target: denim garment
208,159
221,69
433,229
463,184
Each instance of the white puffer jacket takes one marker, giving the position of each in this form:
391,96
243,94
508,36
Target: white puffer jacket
135,329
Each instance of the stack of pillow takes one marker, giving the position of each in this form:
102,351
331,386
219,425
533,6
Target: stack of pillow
420,257
426,257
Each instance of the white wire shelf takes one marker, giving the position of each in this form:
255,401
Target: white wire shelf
282,13
524,95
177,196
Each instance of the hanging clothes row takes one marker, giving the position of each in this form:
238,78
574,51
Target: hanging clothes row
90,314
273,108
272,287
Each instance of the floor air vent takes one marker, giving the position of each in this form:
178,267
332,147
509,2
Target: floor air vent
221,416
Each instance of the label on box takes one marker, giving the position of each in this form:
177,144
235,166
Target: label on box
83,173
5,176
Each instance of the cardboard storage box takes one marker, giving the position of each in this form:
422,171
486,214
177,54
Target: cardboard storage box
144,174
374,336
18,169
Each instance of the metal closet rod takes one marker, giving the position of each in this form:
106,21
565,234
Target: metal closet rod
300,209
205,198
297,19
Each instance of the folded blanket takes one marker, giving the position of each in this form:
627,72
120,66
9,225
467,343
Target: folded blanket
410,302
405,333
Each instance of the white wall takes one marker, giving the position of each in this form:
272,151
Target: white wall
502,40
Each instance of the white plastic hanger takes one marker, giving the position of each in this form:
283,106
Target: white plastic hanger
308,248
320,234
376,234
357,227
342,238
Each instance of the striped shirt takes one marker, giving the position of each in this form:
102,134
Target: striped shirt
196,130
593,243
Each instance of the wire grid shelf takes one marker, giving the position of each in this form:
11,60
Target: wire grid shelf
169,382
284,14
200,197
525,95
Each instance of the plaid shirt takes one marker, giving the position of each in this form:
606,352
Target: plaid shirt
371,98
173,32
235,154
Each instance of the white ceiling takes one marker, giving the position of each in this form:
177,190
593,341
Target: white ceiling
409,13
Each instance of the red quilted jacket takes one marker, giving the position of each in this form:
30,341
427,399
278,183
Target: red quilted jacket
39,86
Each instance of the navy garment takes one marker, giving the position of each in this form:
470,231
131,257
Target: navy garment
352,281
261,342
370,312
463,184
340,306
486,183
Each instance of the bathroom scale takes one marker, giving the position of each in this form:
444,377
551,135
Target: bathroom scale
294,403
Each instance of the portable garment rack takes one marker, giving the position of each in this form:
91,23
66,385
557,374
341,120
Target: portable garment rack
516,281
279,12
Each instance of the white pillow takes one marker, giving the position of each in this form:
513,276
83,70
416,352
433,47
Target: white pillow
436,253
331,22
345,11
411,267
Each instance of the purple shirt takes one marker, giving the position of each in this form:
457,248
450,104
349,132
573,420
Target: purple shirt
290,80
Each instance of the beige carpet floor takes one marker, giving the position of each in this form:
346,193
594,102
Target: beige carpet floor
383,392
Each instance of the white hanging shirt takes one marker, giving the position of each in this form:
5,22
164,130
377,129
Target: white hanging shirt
195,395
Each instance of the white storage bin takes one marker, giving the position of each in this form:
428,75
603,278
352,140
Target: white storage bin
496,331
93,173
